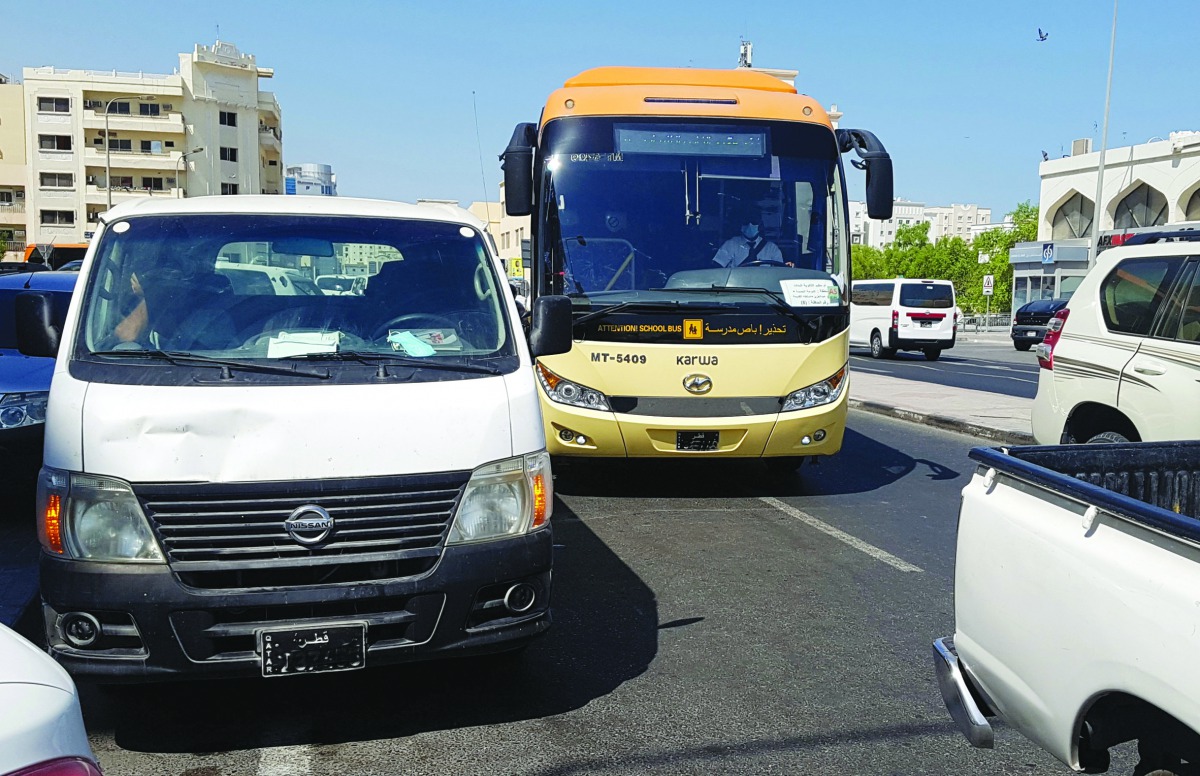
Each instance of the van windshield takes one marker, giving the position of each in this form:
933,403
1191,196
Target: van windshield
933,295
244,287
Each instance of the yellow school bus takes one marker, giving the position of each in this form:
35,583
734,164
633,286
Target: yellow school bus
697,222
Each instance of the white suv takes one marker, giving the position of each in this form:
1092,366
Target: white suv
1121,361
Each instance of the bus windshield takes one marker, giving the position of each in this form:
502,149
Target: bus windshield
652,212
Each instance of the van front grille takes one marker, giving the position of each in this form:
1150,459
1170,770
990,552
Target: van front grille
233,535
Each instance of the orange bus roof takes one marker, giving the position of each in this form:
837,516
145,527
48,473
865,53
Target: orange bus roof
681,92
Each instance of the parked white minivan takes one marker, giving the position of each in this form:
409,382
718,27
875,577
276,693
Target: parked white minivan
239,482
903,314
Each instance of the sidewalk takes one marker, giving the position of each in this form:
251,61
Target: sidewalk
992,416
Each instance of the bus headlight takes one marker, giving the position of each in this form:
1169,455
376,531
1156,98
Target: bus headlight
506,498
825,392
87,517
23,409
567,392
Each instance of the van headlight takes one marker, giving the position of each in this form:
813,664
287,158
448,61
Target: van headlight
825,392
567,392
506,498
23,409
87,517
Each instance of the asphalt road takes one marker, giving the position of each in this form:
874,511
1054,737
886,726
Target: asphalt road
982,366
707,620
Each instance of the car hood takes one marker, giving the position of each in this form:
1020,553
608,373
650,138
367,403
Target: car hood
21,374
263,432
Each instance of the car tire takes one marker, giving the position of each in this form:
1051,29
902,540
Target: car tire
1108,438
933,354
877,348
1023,346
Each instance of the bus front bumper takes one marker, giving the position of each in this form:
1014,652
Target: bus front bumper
578,432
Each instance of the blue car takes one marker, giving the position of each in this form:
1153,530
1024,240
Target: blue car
25,380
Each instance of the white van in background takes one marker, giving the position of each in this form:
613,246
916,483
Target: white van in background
903,314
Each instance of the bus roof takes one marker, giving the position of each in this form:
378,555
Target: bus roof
690,92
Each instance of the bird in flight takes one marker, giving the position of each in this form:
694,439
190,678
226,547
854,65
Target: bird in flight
1042,35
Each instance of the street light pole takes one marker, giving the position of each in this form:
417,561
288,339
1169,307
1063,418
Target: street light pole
179,163
1098,209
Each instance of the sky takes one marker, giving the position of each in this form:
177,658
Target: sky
415,100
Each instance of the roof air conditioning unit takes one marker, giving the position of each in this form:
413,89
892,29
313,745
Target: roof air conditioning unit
1081,146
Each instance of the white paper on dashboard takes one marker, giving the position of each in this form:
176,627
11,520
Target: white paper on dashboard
298,343
811,293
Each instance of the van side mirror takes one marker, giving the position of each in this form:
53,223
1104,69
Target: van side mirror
551,331
517,163
37,334
874,159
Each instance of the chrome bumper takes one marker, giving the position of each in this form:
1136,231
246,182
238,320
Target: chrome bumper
957,696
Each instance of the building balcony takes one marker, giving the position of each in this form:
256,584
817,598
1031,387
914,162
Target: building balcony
98,195
12,212
133,160
168,123
270,138
268,104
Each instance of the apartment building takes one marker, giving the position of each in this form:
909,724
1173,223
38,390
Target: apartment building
97,138
310,179
507,231
955,220
965,221
12,170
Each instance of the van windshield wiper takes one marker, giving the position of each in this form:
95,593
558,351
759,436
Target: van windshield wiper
647,304
372,357
182,358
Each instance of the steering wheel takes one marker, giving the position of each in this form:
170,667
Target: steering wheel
432,319
763,263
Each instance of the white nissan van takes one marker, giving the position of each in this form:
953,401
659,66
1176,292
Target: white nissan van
242,482
903,314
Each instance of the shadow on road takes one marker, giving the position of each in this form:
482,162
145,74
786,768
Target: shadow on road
605,633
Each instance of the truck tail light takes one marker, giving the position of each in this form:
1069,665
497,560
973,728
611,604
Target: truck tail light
1045,351
895,319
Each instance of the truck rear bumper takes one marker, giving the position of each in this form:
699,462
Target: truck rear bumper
957,695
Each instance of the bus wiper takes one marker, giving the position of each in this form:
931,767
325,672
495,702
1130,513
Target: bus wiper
182,358
372,357
646,304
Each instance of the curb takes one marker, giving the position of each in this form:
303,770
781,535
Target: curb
944,422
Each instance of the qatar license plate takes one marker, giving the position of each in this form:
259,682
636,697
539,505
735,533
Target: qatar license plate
317,650
697,441
926,324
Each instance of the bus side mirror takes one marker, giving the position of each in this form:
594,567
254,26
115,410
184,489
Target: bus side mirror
551,331
873,158
37,334
517,163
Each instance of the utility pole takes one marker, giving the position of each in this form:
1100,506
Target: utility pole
1098,210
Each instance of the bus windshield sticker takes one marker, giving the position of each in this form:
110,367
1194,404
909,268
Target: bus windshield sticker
811,293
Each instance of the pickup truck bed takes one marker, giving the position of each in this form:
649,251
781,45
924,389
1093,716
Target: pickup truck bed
1077,601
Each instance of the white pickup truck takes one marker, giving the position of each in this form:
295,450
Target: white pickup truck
1077,603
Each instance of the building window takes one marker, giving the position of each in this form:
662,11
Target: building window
120,145
273,163
150,109
168,143
6,197
117,108
229,188
228,154
58,217
152,146
1144,206
152,184
54,105
54,142
1073,219
57,180
122,181
228,118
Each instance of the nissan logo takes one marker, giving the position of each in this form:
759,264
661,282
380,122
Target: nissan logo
309,524
697,384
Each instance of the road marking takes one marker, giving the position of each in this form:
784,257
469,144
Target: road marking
284,761
841,536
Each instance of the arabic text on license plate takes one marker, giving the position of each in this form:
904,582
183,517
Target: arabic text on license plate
313,650
926,324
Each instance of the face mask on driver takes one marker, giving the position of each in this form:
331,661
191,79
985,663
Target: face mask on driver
750,231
